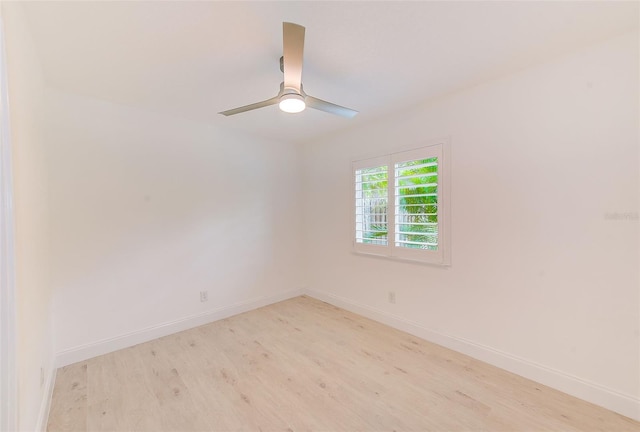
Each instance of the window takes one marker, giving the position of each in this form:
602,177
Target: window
401,206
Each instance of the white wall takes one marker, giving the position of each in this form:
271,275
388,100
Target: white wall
149,210
543,280
33,293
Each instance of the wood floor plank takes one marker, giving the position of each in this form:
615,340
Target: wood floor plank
68,410
305,365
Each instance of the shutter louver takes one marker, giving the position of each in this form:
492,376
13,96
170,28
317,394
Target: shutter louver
416,204
371,202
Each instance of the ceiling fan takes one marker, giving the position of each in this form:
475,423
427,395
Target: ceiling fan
291,98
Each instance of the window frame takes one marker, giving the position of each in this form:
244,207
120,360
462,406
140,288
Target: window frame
442,256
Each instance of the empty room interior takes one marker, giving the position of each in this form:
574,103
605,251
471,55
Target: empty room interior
320,216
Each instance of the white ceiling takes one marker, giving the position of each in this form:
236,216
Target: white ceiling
194,59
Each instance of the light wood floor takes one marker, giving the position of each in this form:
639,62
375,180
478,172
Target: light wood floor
304,365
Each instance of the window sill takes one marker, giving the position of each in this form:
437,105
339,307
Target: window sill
444,265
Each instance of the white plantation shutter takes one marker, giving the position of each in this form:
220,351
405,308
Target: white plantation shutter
416,204
398,205
371,179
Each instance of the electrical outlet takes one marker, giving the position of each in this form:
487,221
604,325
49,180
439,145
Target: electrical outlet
392,297
204,296
41,376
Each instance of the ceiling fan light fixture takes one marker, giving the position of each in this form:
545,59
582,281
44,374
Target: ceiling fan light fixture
292,103
291,98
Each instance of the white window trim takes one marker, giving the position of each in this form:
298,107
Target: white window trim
8,381
440,148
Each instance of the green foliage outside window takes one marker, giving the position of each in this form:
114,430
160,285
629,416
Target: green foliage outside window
416,204
417,201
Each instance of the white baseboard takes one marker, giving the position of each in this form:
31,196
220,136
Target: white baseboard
624,404
87,351
45,406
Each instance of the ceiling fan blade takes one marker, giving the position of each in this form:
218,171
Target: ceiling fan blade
274,100
293,50
321,105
